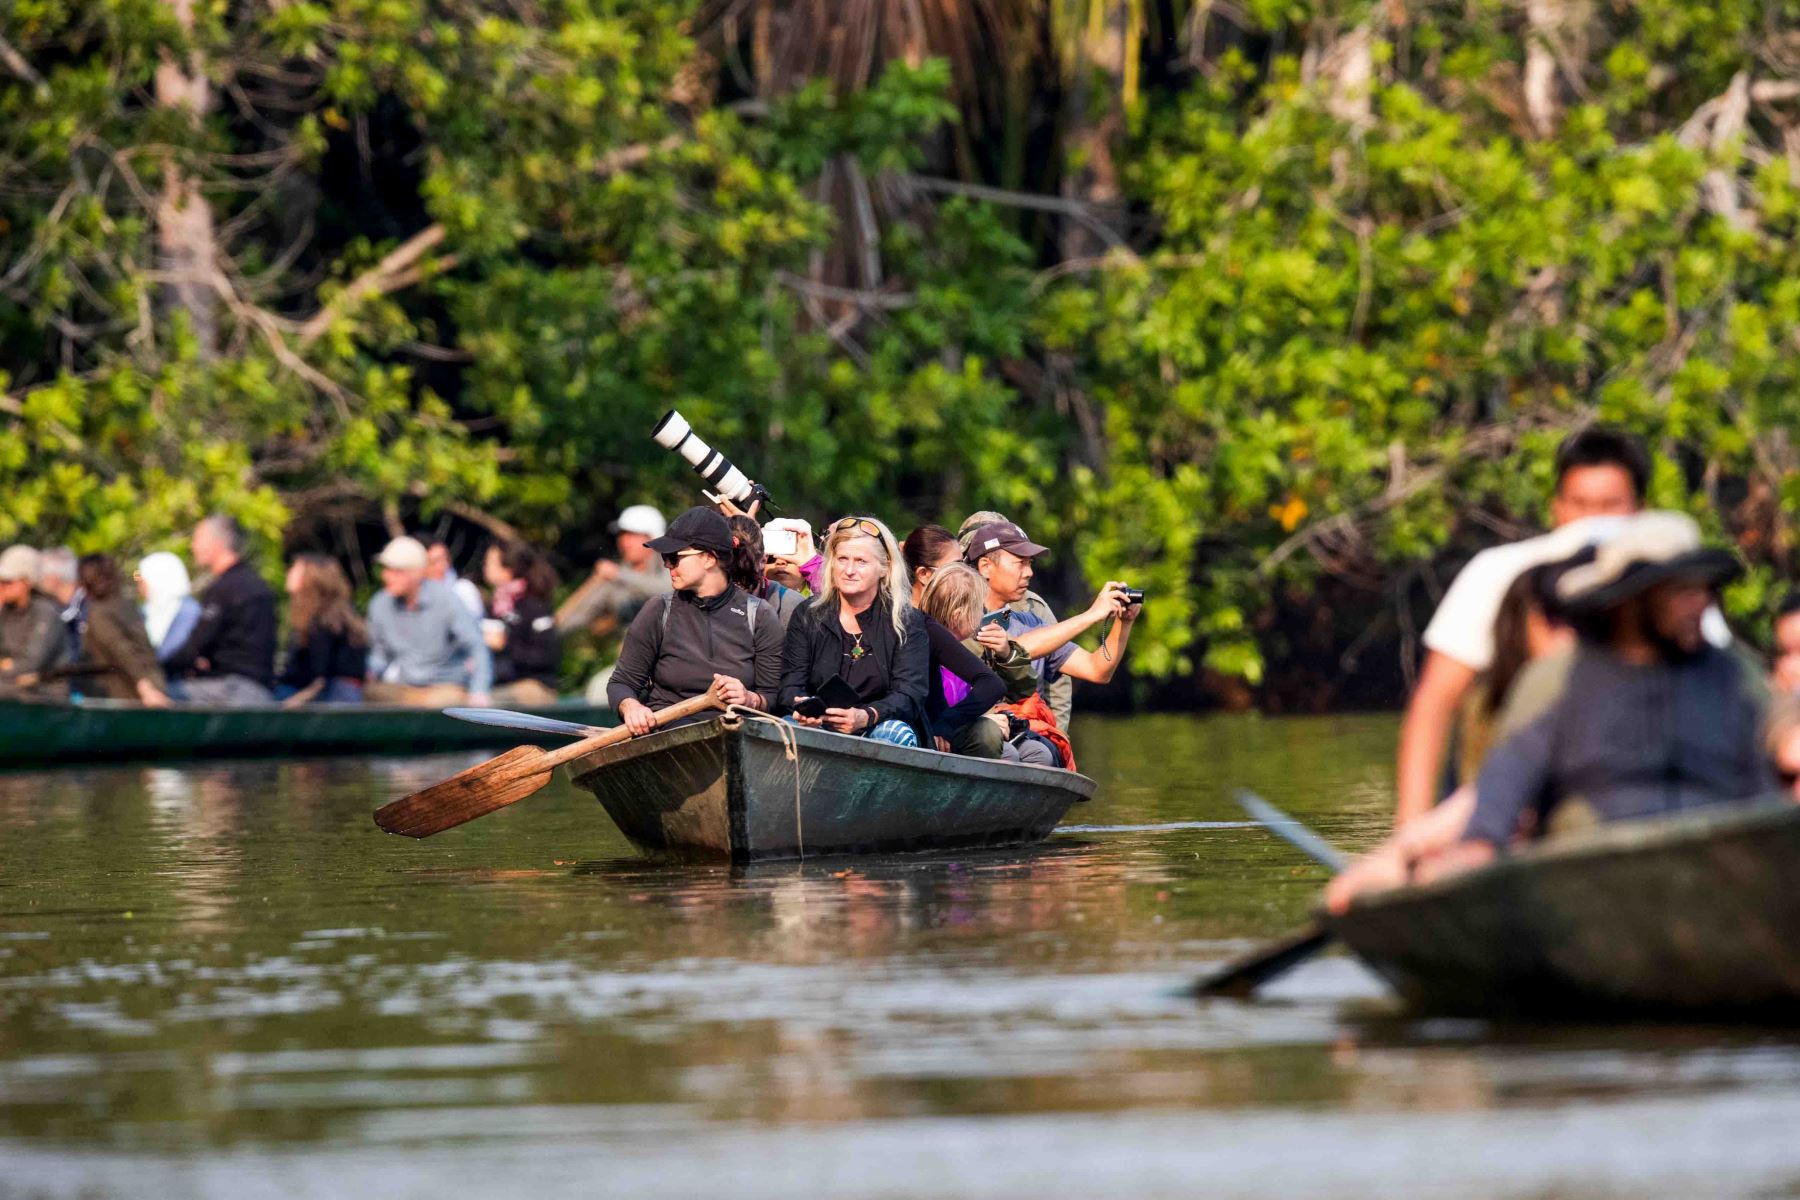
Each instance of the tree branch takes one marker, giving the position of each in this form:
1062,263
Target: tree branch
390,274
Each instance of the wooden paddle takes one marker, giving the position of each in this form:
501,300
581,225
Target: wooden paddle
505,780
1242,976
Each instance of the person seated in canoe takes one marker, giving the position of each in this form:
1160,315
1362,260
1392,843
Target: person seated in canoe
440,565
1003,555
862,637
793,556
748,570
974,666
706,635
520,628
33,643
425,647
1530,626
59,577
619,589
328,644
1643,717
168,604
1058,690
1600,473
229,656
116,660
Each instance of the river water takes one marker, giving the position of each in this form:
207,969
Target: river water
224,981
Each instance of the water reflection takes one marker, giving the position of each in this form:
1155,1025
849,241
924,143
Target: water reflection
233,960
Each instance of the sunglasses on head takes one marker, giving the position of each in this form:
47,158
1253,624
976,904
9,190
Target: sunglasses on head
670,560
860,524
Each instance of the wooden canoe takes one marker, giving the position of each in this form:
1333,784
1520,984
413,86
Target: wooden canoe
37,734
725,788
1690,916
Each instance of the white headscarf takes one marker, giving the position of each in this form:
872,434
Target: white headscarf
166,586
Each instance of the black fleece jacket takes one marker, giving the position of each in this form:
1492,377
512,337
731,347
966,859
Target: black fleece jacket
814,652
665,661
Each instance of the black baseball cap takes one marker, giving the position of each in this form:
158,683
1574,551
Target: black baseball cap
700,527
1001,535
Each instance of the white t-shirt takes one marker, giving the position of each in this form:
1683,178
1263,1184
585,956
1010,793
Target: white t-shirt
1463,626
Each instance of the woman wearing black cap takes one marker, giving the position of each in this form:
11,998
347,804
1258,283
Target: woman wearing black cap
705,633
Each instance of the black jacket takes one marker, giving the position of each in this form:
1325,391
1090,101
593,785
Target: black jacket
235,633
533,648
322,654
814,651
677,642
985,687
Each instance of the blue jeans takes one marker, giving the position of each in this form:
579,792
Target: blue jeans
894,733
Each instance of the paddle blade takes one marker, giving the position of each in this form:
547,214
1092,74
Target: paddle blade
506,719
476,792
1242,976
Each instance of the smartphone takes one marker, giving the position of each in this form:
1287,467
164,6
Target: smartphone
781,543
998,617
809,706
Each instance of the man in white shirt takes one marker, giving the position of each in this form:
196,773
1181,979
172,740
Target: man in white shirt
1599,473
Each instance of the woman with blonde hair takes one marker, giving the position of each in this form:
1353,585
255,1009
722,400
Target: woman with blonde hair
963,684
328,645
862,632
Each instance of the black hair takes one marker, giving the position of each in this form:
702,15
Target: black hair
522,561
744,566
924,546
1790,604
1601,446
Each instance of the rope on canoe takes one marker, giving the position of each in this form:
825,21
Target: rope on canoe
790,747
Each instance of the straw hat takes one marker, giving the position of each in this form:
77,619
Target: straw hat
1648,549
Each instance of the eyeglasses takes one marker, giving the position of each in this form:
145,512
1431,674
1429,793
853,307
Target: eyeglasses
861,524
671,560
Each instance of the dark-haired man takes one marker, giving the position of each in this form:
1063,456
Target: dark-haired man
229,658
1599,473
1058,690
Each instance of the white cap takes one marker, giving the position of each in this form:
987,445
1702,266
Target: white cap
643,519
403,554
18,562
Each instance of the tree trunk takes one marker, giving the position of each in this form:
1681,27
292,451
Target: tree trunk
1093,125
1544,19
184,223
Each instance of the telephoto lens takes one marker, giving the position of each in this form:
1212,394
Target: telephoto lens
674,433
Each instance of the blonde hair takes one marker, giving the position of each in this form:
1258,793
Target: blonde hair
954,598
893,586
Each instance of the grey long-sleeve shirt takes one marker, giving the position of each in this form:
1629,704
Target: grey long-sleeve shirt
1628,741
434,640
676,645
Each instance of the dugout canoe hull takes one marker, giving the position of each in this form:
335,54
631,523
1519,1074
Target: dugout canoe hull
727,790
1694,917
67,734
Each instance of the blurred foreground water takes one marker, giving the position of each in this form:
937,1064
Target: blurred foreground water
224,981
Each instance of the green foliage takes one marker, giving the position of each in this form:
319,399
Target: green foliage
466,255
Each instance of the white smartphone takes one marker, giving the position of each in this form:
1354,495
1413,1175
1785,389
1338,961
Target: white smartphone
781,543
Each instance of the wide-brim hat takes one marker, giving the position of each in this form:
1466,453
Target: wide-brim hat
1652,548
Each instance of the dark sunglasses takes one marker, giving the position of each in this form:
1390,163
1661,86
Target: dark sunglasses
671,560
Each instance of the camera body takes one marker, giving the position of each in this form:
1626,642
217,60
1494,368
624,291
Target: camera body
1133,595
674,433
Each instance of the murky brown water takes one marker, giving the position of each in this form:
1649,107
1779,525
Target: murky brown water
225,982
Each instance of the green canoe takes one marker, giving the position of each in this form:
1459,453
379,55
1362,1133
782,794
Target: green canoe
1695,916
754,791
41,734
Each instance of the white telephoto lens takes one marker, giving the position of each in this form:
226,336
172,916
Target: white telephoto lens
696,452
670,430
735,487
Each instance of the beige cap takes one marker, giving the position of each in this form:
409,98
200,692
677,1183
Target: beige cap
403,554
18,562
